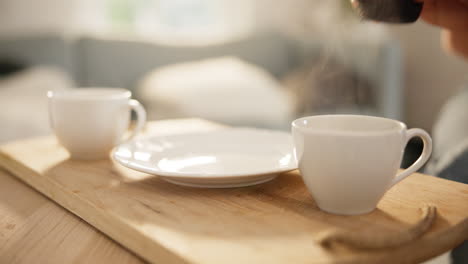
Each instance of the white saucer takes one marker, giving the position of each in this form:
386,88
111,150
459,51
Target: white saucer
217,159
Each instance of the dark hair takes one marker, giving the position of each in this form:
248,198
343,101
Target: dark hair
390,11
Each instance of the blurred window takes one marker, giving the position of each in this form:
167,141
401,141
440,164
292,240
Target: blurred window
181,21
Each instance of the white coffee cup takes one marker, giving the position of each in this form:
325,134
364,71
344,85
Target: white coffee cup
348,162
89,122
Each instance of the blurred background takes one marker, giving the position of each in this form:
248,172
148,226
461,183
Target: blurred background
245,62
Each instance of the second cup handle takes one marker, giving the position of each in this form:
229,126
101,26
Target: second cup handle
426,153
140,118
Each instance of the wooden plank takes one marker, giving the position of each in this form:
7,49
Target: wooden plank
274,222
34,229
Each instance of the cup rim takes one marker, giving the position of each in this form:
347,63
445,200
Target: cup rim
79,94
299,125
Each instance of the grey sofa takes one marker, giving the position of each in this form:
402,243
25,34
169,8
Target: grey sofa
95,61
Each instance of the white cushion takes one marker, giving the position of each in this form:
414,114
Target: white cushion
225,89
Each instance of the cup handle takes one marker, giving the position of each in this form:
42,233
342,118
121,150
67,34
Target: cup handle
140,118
426,153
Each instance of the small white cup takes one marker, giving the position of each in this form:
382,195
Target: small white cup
348,162
89,122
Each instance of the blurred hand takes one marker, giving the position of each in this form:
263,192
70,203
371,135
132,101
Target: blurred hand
452,16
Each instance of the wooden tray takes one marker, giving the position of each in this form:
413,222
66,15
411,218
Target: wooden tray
274,222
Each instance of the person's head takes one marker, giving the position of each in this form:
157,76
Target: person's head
452,16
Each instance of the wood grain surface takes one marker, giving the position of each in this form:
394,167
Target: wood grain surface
34,229
275,222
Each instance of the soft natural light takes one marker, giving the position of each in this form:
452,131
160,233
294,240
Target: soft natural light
143,156
125,152
179,164
186,21
286,160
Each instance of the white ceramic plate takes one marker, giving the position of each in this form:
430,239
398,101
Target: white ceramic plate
218,159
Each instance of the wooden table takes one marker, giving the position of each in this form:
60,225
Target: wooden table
33,229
